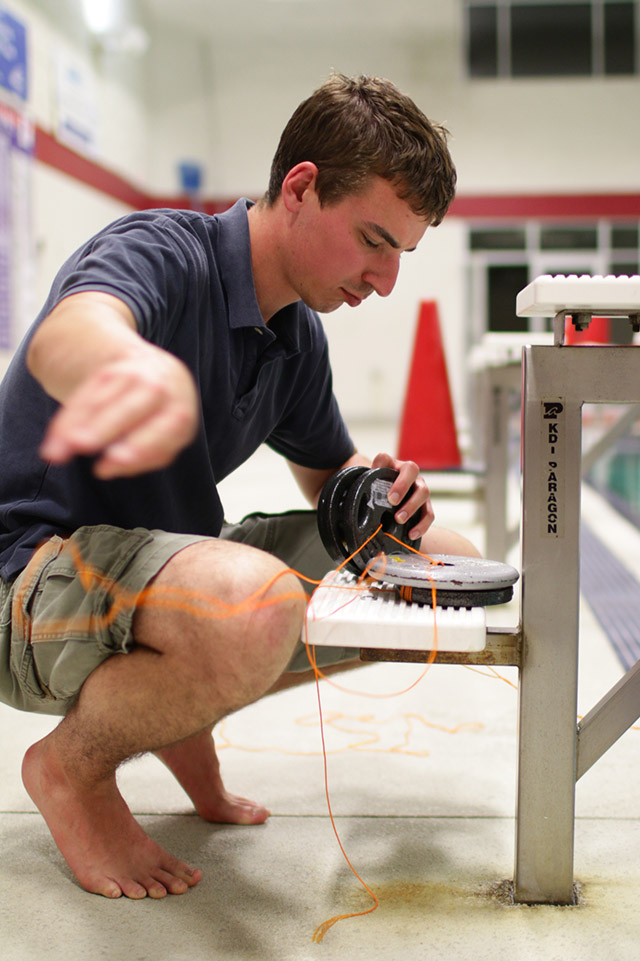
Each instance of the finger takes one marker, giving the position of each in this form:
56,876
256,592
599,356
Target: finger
425,521
419,500
418,503
95,416
382,460
138,422
150,446
408,473
417,496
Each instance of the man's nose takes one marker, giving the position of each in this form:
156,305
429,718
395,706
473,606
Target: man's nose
383,276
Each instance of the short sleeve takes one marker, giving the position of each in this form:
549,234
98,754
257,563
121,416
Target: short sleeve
153,264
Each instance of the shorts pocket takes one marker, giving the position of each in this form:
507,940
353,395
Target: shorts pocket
29,688
64,607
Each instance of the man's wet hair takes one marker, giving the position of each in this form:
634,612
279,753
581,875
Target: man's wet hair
353,128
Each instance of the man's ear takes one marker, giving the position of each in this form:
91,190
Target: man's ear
299,180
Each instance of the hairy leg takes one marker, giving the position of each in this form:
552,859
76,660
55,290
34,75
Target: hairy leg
185,673
105,847
195,765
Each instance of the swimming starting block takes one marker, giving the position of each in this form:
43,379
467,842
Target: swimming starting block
395,608
582,297
385,594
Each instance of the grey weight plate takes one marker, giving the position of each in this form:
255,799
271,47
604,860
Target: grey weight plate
449,572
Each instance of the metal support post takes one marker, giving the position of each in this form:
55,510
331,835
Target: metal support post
608,720
557,381
548,676
500,383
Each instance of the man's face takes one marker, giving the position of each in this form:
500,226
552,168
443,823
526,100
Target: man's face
344,251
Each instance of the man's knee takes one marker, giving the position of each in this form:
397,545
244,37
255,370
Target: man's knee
233,609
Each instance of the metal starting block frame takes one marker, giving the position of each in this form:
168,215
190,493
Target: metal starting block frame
553,749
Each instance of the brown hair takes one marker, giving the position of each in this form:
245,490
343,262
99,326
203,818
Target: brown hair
353,128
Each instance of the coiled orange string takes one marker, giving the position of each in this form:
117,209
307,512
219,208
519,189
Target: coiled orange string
322,929
207,606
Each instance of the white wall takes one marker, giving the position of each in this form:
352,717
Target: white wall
574,135
508,136
222,95
65,211
120,81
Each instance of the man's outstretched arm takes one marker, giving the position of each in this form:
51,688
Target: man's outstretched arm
123,399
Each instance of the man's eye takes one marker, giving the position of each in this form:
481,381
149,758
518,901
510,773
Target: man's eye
369,242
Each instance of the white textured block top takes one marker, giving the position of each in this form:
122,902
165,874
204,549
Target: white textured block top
547,295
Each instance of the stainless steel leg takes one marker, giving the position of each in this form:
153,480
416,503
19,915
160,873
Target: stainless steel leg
501,384
557,381
496,460
549,668
608,720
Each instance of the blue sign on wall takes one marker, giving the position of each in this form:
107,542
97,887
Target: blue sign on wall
13,55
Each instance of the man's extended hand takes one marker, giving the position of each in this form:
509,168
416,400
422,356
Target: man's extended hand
135,413
122,399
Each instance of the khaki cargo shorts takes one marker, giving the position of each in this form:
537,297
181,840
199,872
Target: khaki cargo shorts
73,605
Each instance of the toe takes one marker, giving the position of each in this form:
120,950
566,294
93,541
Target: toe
173,884
155,888
228,809
249,812
134,889
181,870
108,889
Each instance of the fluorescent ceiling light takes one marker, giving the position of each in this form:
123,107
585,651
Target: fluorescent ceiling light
102,16
108,21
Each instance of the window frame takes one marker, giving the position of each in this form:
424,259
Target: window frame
540,261
504,40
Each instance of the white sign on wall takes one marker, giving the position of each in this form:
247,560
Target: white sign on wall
76,103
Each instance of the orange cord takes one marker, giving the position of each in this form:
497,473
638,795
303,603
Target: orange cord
200,605
322,929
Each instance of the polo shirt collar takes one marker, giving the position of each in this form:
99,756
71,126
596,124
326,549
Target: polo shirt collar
292,324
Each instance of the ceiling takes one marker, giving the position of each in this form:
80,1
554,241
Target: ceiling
220,17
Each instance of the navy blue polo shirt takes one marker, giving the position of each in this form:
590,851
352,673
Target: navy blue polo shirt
187,278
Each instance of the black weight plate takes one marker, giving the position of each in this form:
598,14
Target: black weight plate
330,508
462,598
366,508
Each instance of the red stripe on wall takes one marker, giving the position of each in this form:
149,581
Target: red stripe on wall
54,154
564,206
57,155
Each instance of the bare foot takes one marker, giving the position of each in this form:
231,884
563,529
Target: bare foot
195,764
104,846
